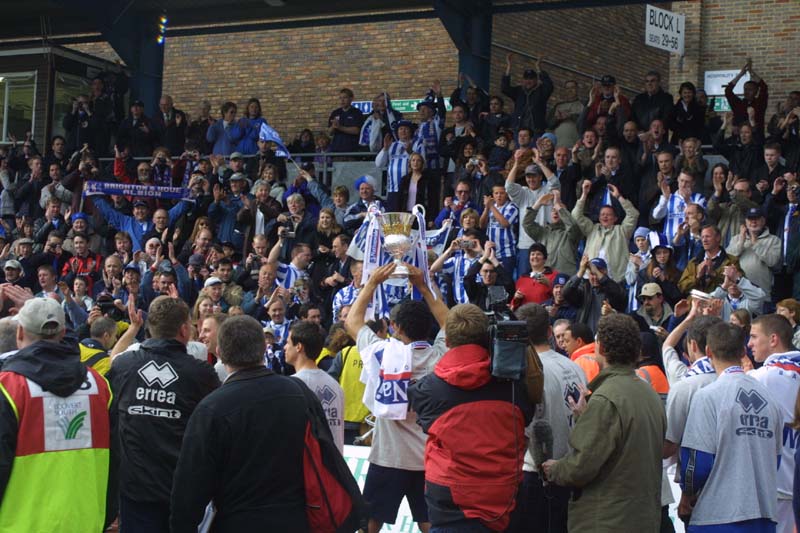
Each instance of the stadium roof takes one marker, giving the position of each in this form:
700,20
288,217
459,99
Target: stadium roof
64,21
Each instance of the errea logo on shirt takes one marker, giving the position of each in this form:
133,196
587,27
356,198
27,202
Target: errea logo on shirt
162,375
751,401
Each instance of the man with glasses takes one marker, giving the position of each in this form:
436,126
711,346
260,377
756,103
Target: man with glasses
653,103
495,285
453,207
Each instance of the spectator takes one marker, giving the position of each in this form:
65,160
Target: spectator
220,134
707,445
590,294
557,307
495,123
498,219
150,446
243,477
605,100
457,259
524,197
473,98
461,384
757,249
771,170
171,124
671,207
419,186
661,269
737,292
530,98
604,468
654,103
536,287
754,101
344,124
246,130
46,367
454,208
606,235
729,216
225,208
432,114
560,235
198,128
687,117
692,161
493,291
395,156
655,311
563,119
705,271
138,132
137,225
742,150
357,212
790,310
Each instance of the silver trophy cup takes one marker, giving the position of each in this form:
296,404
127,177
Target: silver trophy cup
397,242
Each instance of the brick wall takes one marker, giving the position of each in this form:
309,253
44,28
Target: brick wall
736,29
595,41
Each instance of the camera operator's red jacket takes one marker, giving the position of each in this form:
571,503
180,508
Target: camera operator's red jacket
476,438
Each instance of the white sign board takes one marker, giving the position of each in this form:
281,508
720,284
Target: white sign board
715,81
664,29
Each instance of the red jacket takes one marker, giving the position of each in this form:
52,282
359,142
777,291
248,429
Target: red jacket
476,439
739,105
534,291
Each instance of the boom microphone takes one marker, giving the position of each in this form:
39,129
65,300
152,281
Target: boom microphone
542,442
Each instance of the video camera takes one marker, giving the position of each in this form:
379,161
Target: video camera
508,344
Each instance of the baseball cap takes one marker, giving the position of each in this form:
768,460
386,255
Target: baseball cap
197,260
213,280
79,216
426,103
13,263
41,316
651,289
533,169
132,267
754,212
551,136
237,155
405,123
600,263
237,176
560,279
137,103
25,240
529,74
269,331
139,203
607,80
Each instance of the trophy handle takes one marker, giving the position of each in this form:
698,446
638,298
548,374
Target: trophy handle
420,208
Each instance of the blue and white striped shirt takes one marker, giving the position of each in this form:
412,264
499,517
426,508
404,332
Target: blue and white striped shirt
504,237
344,296
287,275
428,134
281,330
457,267
673,210
397,158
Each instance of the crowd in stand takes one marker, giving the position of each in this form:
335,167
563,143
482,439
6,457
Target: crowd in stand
602,212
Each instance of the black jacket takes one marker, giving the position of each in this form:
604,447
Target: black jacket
156,389
244,450
530,107
647,108
478,292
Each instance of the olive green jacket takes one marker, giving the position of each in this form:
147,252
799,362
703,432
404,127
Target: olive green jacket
615,465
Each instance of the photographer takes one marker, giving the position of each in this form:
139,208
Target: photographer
457,259
463,408
296,226
496,284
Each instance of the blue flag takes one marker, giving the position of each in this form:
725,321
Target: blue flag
269,134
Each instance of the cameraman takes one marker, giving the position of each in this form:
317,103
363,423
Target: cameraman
463,408
495,286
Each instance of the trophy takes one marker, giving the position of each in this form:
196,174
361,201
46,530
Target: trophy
397,241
